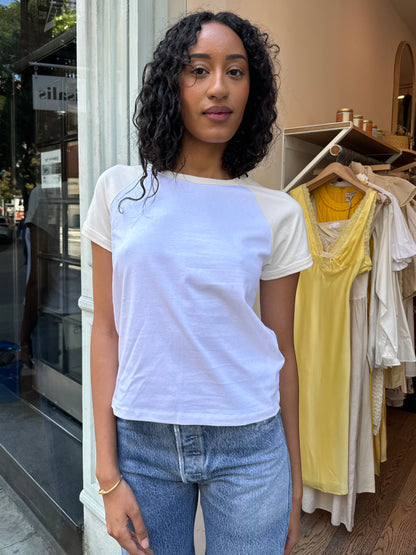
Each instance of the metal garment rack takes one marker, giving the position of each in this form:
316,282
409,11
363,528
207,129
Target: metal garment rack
305,148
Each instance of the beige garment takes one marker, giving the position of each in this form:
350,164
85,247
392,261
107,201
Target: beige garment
395,397
389,342
408,275
360,452
395,377
410,367
407,281
402,189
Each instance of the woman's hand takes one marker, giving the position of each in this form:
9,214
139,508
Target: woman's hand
120,507
120,504
294,526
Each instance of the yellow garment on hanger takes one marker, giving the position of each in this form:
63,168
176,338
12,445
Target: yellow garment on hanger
333,204
322,342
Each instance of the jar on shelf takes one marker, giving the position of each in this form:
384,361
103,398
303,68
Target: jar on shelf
374,131
345,114
358,121
368,126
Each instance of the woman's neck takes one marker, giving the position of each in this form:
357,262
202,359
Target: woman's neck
202,160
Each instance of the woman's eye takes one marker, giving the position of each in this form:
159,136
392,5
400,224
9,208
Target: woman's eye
199,71
236,72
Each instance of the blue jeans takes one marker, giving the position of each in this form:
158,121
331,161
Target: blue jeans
241,472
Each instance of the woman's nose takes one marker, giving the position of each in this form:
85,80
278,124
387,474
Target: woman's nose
218,87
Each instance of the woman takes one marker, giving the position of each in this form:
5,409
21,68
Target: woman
185,377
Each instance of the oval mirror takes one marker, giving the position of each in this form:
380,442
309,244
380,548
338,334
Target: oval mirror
403,117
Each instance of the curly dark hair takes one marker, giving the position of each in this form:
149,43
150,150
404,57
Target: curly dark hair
157,114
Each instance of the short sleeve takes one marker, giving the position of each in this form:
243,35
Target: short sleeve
111,183
97,226
290,250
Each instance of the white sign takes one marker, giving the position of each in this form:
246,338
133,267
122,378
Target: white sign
58,94
50,167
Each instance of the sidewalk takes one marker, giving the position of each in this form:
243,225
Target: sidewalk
20,531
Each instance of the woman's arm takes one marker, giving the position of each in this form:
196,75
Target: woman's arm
120,504
277,304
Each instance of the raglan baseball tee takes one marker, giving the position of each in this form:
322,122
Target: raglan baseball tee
186,268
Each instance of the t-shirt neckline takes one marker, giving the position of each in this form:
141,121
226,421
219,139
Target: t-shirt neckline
203,180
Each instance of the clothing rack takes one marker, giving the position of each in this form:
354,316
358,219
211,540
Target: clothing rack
345,156
306,151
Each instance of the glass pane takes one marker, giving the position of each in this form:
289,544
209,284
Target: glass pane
74,234
73,288
72,345
40,323
72,122
44,220
72,169
48,125
48,341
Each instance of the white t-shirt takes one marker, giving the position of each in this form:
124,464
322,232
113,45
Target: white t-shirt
186,268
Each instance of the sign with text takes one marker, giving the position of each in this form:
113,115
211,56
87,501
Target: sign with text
50,167
58,94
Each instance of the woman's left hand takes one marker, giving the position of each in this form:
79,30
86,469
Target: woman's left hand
294,526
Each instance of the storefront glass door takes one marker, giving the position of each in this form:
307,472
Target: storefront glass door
40,275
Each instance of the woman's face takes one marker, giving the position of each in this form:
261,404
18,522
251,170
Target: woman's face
214,87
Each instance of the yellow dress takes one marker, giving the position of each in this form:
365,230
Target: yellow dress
331,203
322,342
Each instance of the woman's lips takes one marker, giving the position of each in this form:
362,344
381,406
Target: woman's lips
218,113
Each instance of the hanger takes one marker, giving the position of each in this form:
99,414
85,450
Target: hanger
380,167
397,171
336,171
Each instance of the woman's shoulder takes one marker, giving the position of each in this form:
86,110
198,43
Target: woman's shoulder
120,173
272,200
116,179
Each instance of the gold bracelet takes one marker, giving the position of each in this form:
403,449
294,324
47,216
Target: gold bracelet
104,492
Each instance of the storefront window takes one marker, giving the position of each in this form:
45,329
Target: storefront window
40,266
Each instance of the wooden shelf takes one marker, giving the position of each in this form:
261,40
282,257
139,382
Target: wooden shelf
406,157
307,146
356,139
